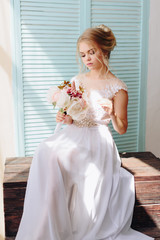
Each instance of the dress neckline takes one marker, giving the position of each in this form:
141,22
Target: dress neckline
102,88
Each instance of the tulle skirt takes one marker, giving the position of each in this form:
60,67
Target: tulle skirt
77,189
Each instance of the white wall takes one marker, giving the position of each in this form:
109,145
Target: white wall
6,100
153,88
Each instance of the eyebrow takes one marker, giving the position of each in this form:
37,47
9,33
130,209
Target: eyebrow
88,50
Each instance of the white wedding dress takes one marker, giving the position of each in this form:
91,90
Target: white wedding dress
77,189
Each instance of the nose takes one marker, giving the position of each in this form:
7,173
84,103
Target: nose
88,57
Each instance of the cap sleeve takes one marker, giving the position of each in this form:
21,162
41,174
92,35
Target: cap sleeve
118,85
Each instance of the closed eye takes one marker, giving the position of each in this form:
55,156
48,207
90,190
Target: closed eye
92,51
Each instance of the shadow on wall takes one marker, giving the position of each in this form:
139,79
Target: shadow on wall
5,62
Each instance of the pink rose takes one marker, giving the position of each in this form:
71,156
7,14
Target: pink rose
82,103
53,94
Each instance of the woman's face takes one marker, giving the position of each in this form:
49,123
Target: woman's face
91,55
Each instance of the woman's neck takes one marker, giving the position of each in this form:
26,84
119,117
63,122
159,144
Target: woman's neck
98,74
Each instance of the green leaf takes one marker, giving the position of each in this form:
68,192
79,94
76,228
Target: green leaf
54,104
61,110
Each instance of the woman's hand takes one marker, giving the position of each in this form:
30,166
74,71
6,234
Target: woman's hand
68,119
62,117
107,105
73,86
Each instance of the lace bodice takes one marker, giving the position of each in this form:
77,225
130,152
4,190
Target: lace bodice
95,112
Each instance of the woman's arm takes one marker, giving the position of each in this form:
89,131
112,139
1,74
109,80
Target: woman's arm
119,112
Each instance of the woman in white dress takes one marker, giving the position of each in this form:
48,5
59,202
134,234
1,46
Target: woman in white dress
77,189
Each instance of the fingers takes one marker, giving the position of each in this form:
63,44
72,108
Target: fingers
73,86
60,117
107,105
105,102
108,109
68,119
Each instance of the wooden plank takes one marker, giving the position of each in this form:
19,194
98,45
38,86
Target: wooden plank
147,192
14,199
139,166
18,160
12,222
14,184
16,178
13,208
10,238
143,168
14,193
141,155
17,169
146,216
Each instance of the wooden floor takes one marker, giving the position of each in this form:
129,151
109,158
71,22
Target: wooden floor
144,166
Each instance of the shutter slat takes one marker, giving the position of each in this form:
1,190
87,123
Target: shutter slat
57,7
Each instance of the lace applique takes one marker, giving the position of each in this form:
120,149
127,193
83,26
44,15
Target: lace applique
111,89
95,112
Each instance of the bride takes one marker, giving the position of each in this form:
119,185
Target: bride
77,189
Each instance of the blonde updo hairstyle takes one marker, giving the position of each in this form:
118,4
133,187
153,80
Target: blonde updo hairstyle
103,37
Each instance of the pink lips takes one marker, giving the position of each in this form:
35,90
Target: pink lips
89,64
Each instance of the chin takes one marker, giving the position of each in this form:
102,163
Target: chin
90,67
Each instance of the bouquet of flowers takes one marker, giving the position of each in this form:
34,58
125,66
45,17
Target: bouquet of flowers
69,100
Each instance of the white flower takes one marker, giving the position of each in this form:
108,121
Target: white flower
63,100
77,110
53,94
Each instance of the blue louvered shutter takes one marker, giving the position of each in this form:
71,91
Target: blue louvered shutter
49,30
125,19
46,34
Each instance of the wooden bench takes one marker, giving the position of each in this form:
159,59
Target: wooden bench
145,167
